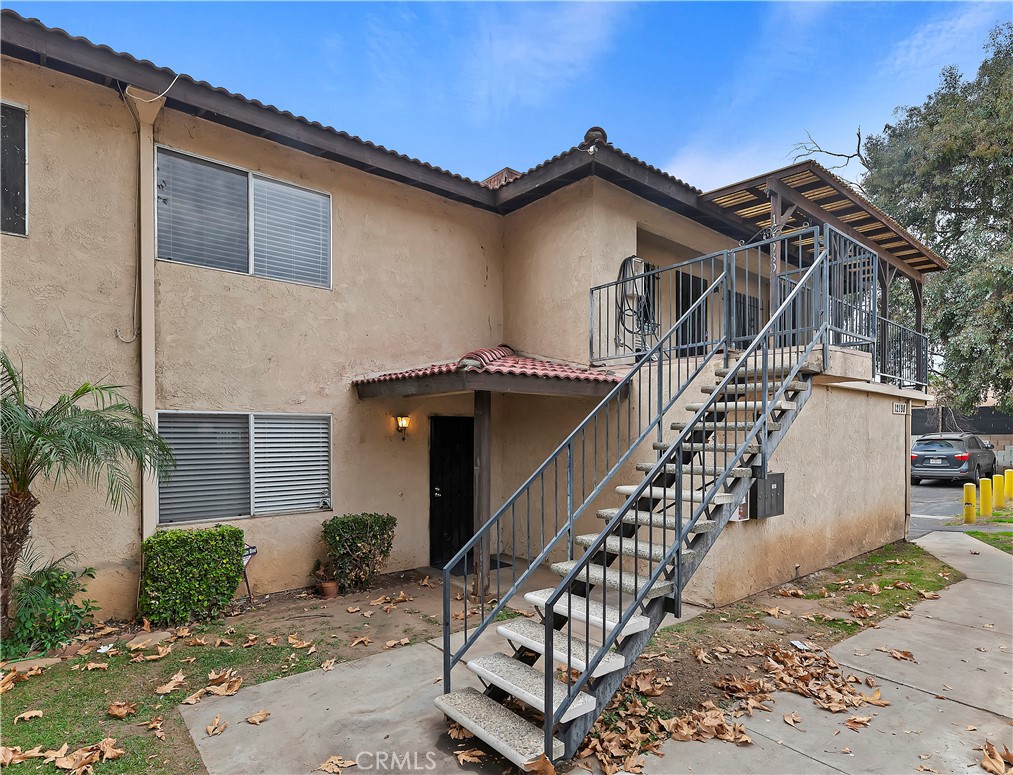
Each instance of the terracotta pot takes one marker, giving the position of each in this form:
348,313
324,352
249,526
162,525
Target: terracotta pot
328,590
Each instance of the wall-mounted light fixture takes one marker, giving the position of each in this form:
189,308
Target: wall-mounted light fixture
403,421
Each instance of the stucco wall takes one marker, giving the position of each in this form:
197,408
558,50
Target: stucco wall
67,288
849,496
232,342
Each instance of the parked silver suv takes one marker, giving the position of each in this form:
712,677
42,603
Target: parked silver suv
951,456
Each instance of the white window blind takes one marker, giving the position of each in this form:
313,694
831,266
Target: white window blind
202,213
291,463
291,233
212,475
206,217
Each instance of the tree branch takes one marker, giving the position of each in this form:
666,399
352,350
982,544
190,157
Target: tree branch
810,149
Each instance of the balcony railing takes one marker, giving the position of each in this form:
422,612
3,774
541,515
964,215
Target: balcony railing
902,355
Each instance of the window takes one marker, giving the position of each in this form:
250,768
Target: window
235,465
225,218
13,170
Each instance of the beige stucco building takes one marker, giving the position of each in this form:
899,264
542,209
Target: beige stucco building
249,276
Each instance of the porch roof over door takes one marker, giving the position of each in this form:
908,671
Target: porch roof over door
493,369
814,193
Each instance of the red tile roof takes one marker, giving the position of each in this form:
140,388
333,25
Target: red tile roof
497,360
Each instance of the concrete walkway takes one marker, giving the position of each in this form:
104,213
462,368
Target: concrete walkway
962,679
381,707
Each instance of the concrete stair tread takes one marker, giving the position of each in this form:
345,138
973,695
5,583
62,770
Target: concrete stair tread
650,518
598,615
625,581
734,473
629,547
737,388
663,446
670,495
500,728
527,684
742,406
809,367
772,425
567,649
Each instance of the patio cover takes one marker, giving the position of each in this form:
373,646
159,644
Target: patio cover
817,195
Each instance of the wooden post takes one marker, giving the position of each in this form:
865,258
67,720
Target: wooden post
483,484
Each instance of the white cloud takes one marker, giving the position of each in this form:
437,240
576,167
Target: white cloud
522,54
936,44
708,166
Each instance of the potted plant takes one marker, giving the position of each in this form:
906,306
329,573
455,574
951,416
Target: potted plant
327,583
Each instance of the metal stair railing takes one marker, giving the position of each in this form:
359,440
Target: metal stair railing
576,473
803,321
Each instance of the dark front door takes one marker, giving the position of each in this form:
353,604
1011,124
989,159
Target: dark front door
451,486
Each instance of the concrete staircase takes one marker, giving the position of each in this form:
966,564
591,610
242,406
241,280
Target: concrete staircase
633,572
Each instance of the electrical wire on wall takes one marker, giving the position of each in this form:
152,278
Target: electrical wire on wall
635,319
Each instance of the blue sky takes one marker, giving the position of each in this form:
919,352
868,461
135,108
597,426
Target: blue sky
711,92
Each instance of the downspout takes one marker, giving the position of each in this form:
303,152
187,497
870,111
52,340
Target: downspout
146,106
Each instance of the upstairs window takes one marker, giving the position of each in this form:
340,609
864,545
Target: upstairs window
221,217
13,170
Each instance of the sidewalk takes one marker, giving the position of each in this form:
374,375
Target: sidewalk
962,679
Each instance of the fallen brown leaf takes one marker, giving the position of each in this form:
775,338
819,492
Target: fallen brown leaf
336,764
96,666
457,732
257,718
327,665
928,595
362,640
172,685
251,640
793,719
857,722
28,715
391,644
296,643
469,756
898,654
217,726
542,766
121,709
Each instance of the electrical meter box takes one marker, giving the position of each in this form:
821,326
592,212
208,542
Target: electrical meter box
766,497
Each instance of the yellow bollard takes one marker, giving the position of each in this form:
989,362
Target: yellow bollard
1009,485
986,497
969,504
998,491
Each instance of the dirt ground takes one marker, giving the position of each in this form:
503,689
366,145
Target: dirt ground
818,610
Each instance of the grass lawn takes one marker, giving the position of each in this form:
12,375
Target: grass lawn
998,515
74,701
1000,540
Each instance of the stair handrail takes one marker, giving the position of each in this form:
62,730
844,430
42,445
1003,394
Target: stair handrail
673,552
656,355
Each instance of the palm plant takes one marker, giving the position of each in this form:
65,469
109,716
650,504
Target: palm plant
104,444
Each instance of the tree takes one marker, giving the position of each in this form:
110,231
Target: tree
106,442
944,169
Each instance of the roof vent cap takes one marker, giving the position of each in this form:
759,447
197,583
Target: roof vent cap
594,136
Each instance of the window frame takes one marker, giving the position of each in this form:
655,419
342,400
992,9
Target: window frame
23,108
250,457
250,175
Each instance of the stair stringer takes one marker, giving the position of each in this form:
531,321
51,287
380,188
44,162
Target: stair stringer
604,688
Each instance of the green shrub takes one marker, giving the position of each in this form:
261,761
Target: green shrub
43,601
358,545
190,575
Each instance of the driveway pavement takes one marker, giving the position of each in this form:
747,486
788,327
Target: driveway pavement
933,504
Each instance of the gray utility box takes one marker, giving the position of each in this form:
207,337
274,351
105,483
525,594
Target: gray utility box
766,497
